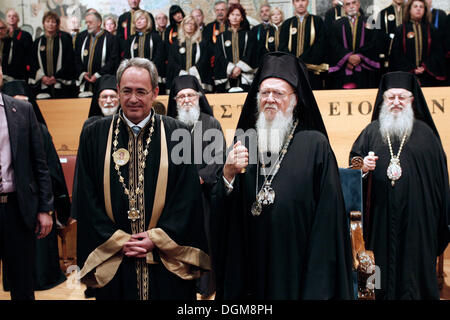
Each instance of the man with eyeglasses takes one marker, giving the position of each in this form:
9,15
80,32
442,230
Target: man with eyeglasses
188,103
279,229
139,210
406,213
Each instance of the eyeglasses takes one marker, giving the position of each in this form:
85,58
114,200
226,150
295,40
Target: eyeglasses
188,96
112,97
140,93
277,95
401,97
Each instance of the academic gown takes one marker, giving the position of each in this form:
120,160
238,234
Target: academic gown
407,224
332,15
299,247
154,50
105,57
199,68
26,39
403,55
387,22
266,40
313,50
367,45
124,30
63,66
224,64
14,59
181,217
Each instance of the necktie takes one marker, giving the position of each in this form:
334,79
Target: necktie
136,129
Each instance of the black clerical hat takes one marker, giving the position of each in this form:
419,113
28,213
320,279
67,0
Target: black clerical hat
187,82
408,81
287,67
107,81
20,87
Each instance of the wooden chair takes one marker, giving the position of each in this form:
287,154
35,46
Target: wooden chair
363,260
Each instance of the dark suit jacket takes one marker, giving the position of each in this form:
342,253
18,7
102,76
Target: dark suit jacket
31,174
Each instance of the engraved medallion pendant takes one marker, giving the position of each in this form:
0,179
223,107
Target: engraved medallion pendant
394,171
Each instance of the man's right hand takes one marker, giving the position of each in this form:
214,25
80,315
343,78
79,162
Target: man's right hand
354,59
237,160
370,162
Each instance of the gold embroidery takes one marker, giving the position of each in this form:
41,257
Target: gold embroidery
142,45
188,54
49,55
235,46
418,43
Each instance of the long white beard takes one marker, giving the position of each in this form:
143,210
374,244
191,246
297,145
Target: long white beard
188,117
272,134
396,125
109,111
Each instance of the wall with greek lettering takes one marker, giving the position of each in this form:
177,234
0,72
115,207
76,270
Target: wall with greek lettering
345,113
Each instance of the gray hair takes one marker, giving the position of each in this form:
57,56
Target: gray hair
139,63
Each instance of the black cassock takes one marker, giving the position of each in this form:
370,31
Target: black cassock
230,53
53,58
26,39
430,51
102,59
298,248
198,66
407,226
305,40
344,43
181,218
148,45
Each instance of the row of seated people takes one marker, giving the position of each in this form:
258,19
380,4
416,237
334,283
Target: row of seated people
348,53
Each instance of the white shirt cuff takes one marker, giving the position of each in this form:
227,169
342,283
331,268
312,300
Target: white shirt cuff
228,185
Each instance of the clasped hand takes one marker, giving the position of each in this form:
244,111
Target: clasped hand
138,245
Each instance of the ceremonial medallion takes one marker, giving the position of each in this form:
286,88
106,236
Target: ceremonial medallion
133,214
217,32
135,46
266,196
256,208
42,48
121,157
391,35
182,50
174,34
410,35
293,30
394,171
271,39
227,43
124,24
391,17
85,52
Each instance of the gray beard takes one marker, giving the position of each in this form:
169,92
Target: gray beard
189,117
272,134
396,126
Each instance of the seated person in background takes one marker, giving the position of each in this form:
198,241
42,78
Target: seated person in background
52,72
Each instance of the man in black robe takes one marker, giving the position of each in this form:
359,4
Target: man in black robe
125,26
334,13
354,51
188,103
292,240
261,31
303,35
438,19
389,19
96,54
216,27
407,219
139,211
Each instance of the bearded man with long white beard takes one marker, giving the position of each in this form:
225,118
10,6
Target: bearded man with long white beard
279,229
406,213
